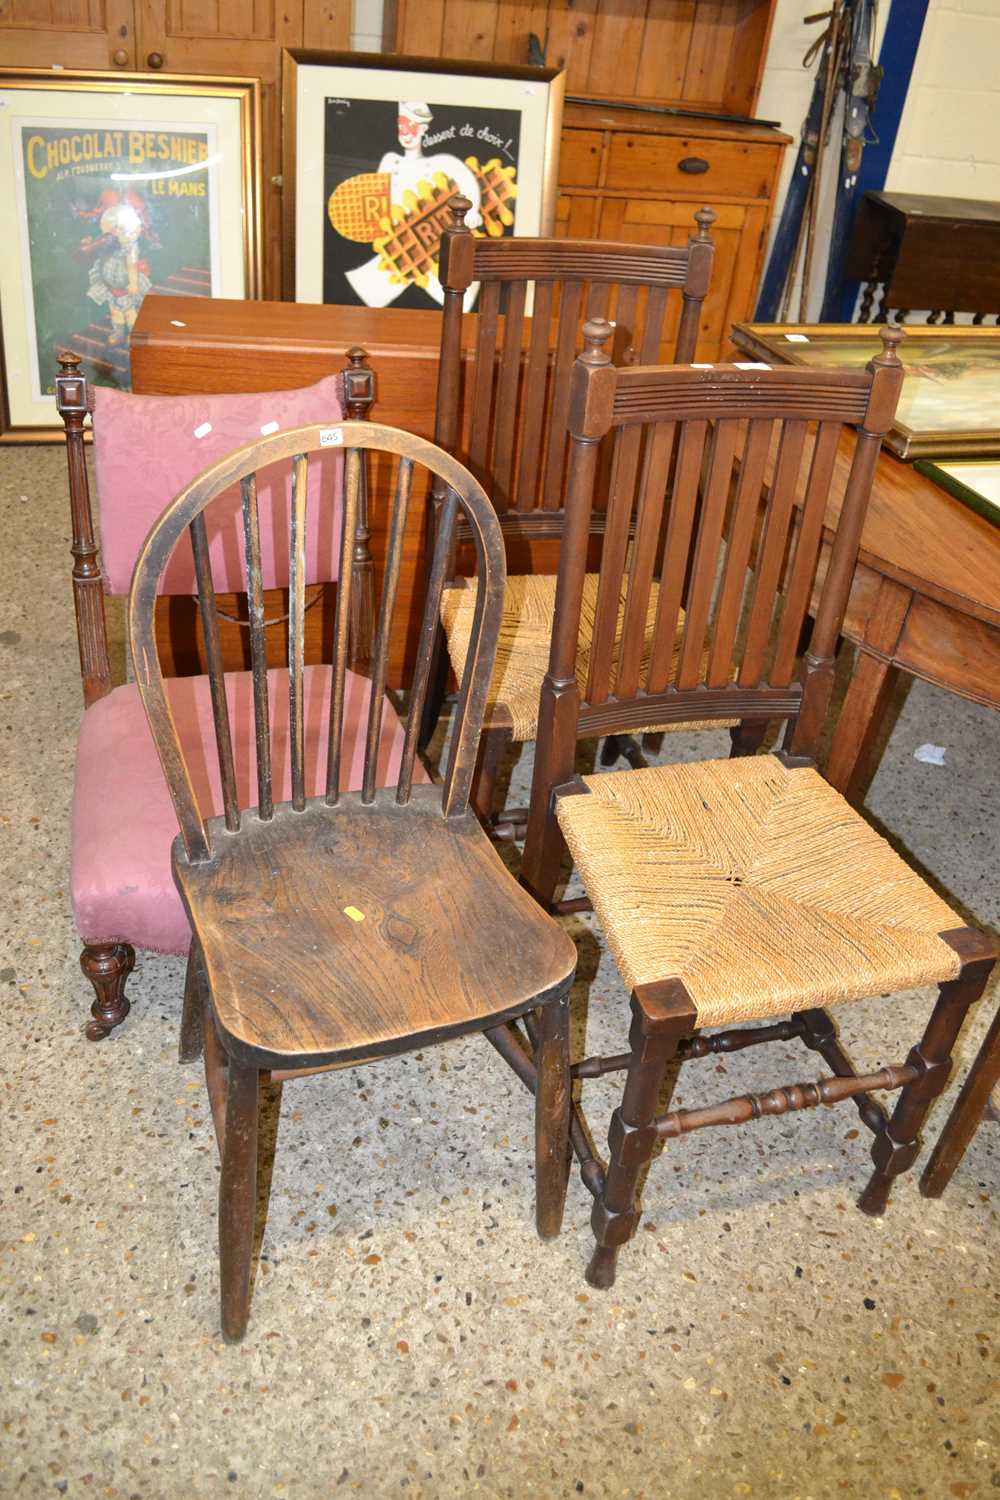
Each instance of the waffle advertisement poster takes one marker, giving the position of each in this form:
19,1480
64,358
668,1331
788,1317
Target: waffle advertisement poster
391,171
382,145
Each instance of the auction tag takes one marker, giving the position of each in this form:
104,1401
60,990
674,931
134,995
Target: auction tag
331,437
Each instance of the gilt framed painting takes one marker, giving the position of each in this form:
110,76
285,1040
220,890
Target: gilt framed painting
119,185
376,147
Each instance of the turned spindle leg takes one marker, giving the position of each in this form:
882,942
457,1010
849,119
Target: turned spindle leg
238,1199
107,966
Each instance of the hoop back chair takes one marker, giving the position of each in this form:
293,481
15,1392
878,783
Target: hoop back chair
145,449
517,392
747,888
347,926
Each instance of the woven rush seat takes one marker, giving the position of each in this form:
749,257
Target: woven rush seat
525,639
757,886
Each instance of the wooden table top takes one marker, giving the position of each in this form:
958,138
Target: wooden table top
918,534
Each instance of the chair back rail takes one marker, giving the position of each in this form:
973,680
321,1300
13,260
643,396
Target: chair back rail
519,385
187,513
732,651
75,402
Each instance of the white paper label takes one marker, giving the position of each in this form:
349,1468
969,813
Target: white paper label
203,430
331,437
796,338
703,367
176,323
753,365
268,428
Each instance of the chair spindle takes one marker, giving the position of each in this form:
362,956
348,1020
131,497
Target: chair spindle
296,630
802,569
482,400
393,561
534,395
217,682
353,462
706,552
508,383
771,556
687,476
653,493
624,467
258,647
565,354
425,649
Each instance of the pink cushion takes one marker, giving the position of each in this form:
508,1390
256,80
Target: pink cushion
146,452
123,821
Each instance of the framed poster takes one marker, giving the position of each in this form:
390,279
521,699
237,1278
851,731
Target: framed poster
976,482
376,146
950,402
119,184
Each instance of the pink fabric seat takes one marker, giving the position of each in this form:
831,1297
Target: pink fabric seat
123,821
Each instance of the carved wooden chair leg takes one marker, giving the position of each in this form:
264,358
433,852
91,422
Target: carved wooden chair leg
661,1016
895,1149
747,737
552,1111
966,1115
107,966
492,749
191,1040
238,1199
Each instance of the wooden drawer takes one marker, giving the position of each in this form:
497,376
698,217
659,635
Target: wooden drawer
668,164
580,158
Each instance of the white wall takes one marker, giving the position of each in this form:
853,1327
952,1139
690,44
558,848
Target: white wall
366,26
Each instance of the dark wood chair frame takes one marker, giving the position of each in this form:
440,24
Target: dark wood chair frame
678,413
970,1108
519,398
241,846
108,965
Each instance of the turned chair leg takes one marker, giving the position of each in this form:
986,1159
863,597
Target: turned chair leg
191,1041
632,1136
896,1147
552,1112
966,1115
107,966
747,737
238,1199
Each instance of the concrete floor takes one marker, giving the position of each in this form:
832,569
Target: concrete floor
409,1334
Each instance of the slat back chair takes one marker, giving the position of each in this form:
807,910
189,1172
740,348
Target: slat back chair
516,390
747,888
145,449
345,926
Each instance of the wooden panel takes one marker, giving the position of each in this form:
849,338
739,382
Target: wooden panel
712,38
734,169
576,218
619,27
516,21
663,64
327,25
571,41
70,33
470,29
580,158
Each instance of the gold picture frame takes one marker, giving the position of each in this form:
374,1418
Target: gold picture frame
351,179
121,184
950,402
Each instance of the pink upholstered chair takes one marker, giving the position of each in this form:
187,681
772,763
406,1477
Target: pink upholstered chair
147,449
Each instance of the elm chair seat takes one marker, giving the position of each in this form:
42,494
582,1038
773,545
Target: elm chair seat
123,821
756,885
525,639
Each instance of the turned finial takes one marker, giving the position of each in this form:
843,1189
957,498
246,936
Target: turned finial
359,383
704,218
69,363
596,332
892,336
458,207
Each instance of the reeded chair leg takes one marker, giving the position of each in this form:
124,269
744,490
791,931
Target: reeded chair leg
966,1115
107,966
238,1199
632,1137
896,1148
552,1113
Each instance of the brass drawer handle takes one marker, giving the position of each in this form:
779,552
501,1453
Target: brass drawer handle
693,164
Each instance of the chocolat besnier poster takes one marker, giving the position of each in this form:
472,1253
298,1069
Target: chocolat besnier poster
391,169
111,214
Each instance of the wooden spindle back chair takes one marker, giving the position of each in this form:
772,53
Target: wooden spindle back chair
747,888
517,391
345,926
144,449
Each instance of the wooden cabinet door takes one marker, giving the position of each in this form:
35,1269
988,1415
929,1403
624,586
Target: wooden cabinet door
74,33
241,38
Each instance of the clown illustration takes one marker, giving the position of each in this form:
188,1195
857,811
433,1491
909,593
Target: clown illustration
119,272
